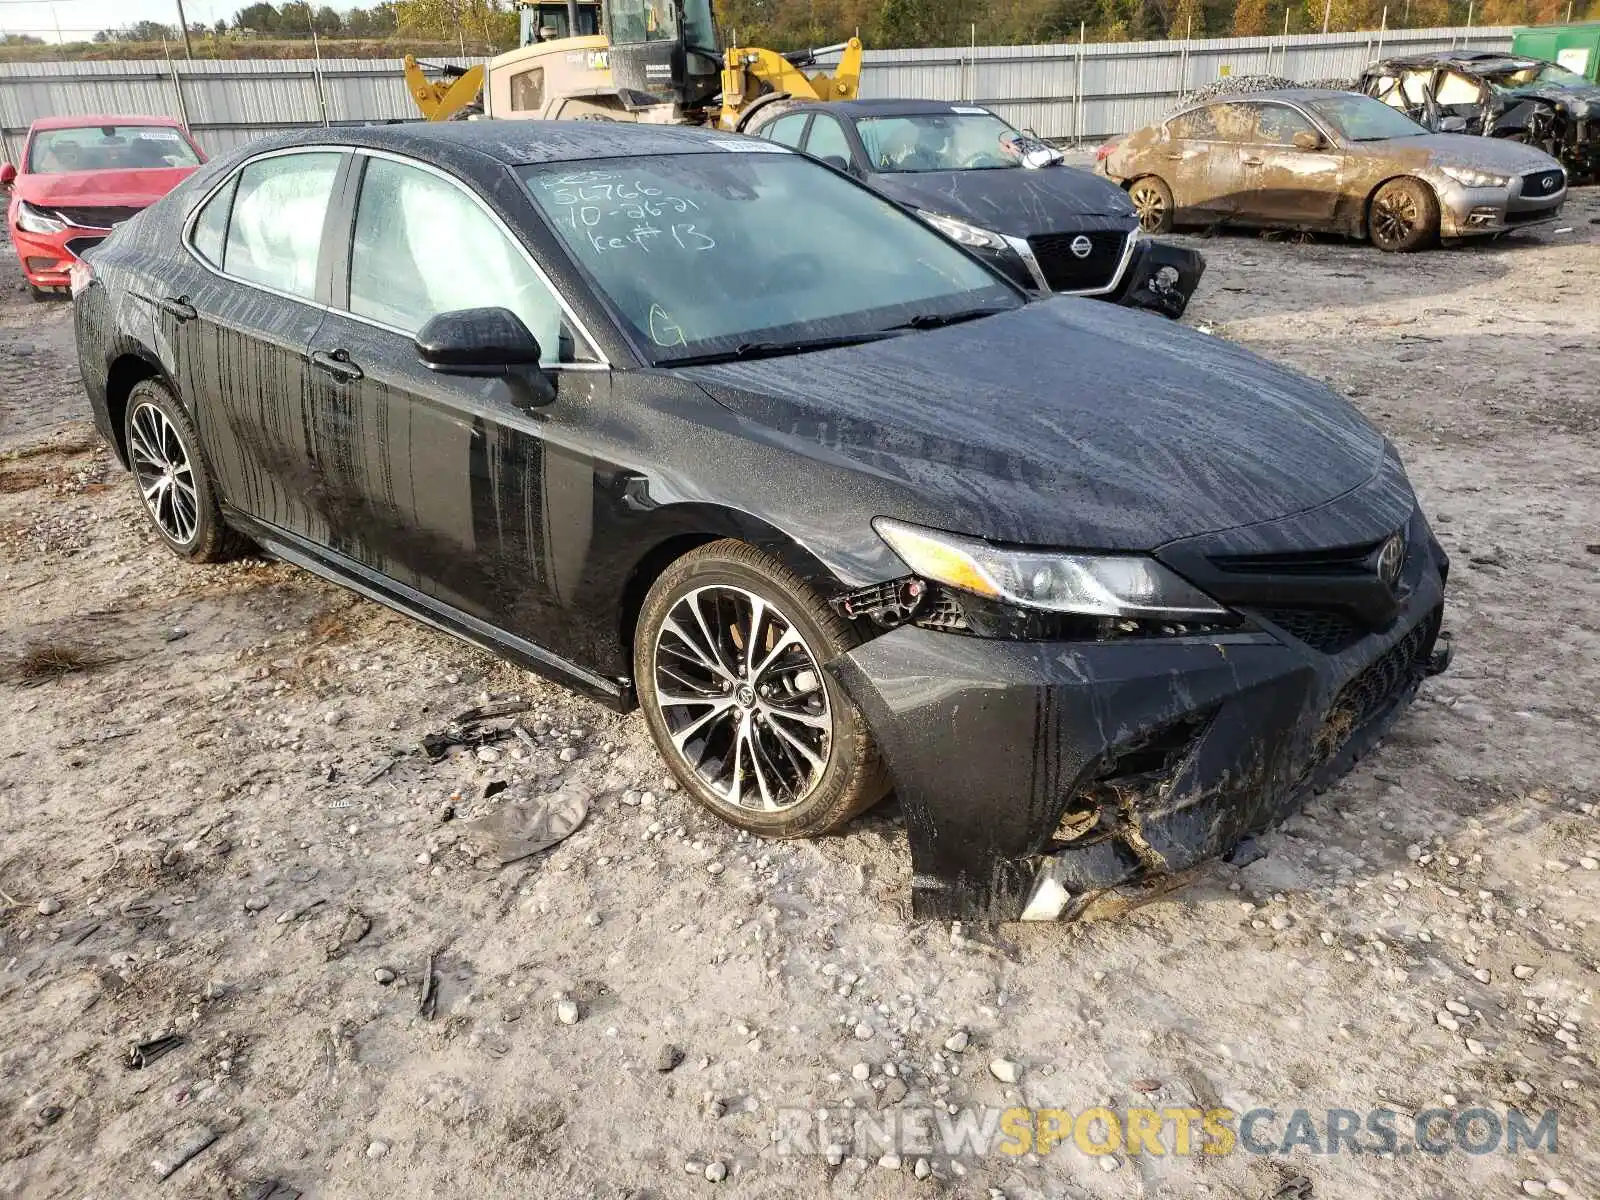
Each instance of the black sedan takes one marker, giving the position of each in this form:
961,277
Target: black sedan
1095,597
1003,193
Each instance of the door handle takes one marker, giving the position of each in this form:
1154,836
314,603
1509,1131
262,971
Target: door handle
1251,161
336,363
179,307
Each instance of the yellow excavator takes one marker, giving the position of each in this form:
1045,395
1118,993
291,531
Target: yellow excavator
656,61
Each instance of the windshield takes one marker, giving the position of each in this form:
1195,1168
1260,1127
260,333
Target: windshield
949,141
109,148
1547,74
642,21
1363,119
704,253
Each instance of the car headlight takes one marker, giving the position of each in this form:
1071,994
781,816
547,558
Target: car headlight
1468,177
960,231
34,220
1103,585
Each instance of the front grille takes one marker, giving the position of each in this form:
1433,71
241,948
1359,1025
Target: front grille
1339,560
1366,695
1542,183
1328,632
1523,216
1064,271
97,218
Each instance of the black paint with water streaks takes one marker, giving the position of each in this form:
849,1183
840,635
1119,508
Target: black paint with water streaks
533,529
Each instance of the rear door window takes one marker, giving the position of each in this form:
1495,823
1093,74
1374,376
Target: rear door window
1200,124
1235,122
275,231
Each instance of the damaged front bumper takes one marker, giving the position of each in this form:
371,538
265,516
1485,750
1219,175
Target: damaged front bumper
1529,199
1162,278
1036,774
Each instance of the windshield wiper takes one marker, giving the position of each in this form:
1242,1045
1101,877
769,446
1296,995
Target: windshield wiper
936,320
749,350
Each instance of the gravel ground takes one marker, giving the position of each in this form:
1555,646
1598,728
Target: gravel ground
201,839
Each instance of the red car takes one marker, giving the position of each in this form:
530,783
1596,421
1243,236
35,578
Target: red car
83,176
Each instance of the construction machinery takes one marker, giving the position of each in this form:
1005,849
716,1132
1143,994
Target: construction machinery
657,61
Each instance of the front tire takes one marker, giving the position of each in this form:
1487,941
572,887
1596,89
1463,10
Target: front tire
1403,216
1152,200
728,661
170,473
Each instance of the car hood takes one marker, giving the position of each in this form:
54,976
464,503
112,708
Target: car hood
1063,423
101,189
1464,150
1010,200
1579,101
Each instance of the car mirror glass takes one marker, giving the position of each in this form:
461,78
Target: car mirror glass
1308,140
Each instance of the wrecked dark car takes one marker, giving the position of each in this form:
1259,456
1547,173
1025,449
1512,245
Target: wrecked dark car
1318,159
1000,192
1496,95
1096,597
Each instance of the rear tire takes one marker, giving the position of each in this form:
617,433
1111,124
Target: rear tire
728,661
172,477
1152,200
1403,216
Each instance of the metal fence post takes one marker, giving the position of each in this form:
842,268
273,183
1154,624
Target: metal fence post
316,77
177,87
1077,84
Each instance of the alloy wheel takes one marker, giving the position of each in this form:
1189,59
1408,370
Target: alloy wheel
1394,216
166,480
743,698
1149,204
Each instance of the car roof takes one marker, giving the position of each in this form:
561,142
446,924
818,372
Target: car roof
1477,60
1300,94
887,107
523,143
93,121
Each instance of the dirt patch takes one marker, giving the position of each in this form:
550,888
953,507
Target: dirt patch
189,828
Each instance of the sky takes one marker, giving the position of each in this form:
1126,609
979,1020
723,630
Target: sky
79,20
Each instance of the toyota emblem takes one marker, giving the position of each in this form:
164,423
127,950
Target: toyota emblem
1391,558
1082,247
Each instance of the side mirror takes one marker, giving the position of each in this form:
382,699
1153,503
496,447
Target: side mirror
1306,139
1452,124
837,161
8,175
485,342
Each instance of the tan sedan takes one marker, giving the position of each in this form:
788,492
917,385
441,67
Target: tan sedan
1335,161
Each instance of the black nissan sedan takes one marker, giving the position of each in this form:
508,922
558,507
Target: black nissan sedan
830,499
1002,193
